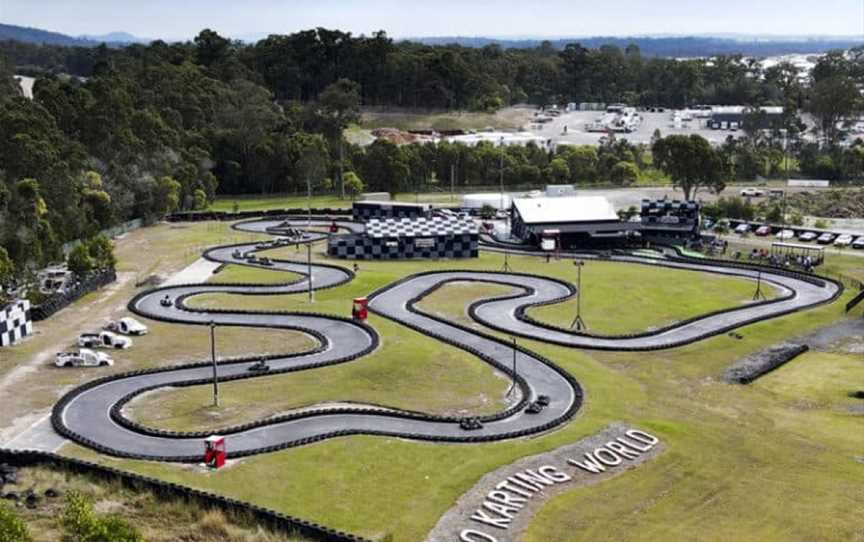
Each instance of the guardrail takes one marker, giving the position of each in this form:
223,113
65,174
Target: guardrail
57,302
855,301
271,519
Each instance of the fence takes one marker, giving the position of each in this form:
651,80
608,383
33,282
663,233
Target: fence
61,300
111,233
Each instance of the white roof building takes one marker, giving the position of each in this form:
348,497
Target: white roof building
565,209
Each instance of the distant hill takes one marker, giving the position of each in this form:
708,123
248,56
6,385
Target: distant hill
115,37
671,46
46,37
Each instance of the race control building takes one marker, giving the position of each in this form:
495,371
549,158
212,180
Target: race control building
362,211
400,239
579,221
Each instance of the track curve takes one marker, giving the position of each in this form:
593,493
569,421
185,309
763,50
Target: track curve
92,414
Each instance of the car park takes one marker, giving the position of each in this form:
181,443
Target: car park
762,231
127,326
103,339
742,228
825,239
807,236
752,192
785,234
858,243
83,358
843,240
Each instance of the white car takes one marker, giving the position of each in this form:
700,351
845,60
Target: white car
742,228
752,193
127,326
103,339
785,234
858,243
83,358
807,236
843,241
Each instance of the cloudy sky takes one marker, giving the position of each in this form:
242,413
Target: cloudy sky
182,19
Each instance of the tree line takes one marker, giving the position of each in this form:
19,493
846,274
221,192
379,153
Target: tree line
150,129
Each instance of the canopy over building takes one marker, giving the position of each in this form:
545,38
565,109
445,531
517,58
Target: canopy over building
578,221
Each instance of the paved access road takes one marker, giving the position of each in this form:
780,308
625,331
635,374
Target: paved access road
92,414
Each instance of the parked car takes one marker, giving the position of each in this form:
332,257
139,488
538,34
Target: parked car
83,358
807,236
825,238
103,339
762,231
742,228
127,326
843,240
858,243
785,234
752,192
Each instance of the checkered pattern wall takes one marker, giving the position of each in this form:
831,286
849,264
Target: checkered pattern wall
421,227
15,322
363,211
363,247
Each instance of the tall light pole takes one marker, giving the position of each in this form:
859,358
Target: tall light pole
213,359
513,374
341,168
309,201
578,323
501,171
309,270
758,294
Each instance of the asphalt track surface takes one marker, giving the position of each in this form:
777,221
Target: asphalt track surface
92,414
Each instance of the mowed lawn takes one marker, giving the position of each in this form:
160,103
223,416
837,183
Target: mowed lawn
741,463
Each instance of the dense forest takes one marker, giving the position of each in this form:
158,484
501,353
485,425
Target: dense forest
145,130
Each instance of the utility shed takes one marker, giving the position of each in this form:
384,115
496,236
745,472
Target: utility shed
580,220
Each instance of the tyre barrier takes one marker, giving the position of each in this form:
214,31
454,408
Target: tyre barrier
272,520
60,301
338,275
762,363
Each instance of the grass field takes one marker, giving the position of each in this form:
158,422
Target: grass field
157,518
742,462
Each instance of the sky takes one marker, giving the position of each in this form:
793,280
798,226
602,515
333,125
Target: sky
183,19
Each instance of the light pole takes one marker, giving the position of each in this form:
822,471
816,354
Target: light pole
758,294
309,270
213,359
501,172
309,201
578,323
513,374
506,268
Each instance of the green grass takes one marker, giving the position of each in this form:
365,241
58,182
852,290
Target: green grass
745,460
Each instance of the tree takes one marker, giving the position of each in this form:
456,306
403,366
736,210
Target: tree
210,47
692,163
81,524
200,198
7,267
12,528
624,174
559,171
166,196
102,252
79,260
353,185
833,100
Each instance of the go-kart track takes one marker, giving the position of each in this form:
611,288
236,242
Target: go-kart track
92,414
